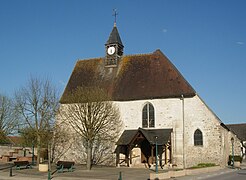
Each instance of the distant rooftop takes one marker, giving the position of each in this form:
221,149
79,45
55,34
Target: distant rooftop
239,130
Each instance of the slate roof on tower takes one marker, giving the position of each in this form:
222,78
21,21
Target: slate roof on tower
136,77
114,37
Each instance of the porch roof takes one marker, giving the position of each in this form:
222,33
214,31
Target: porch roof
163,136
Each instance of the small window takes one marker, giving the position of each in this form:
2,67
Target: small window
148,116
198,138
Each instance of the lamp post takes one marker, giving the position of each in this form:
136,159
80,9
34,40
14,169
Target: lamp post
232,150
156,156
49,157
49,164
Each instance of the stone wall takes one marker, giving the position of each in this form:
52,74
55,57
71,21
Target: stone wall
216,139
173,113
167,112
71,146
170,113
198,116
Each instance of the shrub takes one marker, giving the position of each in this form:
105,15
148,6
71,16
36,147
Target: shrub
203,165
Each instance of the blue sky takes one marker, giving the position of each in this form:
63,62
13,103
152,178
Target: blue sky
205,40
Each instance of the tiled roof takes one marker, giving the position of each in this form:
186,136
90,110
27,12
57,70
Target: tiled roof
15,140
126,137
239,130
163,136
137,77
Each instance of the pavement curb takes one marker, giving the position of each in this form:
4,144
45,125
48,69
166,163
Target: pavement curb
186,172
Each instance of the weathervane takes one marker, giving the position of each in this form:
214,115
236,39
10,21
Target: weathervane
115,16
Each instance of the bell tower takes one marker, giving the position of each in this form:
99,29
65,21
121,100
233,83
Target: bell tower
113,47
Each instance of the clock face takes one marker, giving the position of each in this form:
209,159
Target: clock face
111,50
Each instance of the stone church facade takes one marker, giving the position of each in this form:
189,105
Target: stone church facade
194,114
162,114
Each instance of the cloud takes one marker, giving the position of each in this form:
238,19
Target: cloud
164,30
240,43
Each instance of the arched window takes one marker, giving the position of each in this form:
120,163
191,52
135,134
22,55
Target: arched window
148,116
198,138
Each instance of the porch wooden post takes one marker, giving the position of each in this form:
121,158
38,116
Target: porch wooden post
170,154
130,156
127,156
161,152
165,154
152,154
117,157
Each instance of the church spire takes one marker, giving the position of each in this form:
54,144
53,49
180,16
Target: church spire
114,36
114,46
115,16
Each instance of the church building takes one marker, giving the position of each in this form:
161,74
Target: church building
164,119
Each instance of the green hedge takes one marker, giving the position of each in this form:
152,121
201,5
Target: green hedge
203,165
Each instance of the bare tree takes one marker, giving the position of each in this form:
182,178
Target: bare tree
60,140
94,118
37,103
8,120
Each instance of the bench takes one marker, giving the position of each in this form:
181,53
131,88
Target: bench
61,165
19,164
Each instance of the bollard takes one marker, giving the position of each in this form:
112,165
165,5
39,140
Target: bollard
10,172
120,177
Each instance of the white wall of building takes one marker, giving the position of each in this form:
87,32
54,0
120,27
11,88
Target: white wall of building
194,114
169,114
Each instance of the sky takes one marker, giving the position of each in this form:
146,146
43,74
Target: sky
204,39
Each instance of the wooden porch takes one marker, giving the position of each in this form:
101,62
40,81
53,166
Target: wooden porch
147,140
